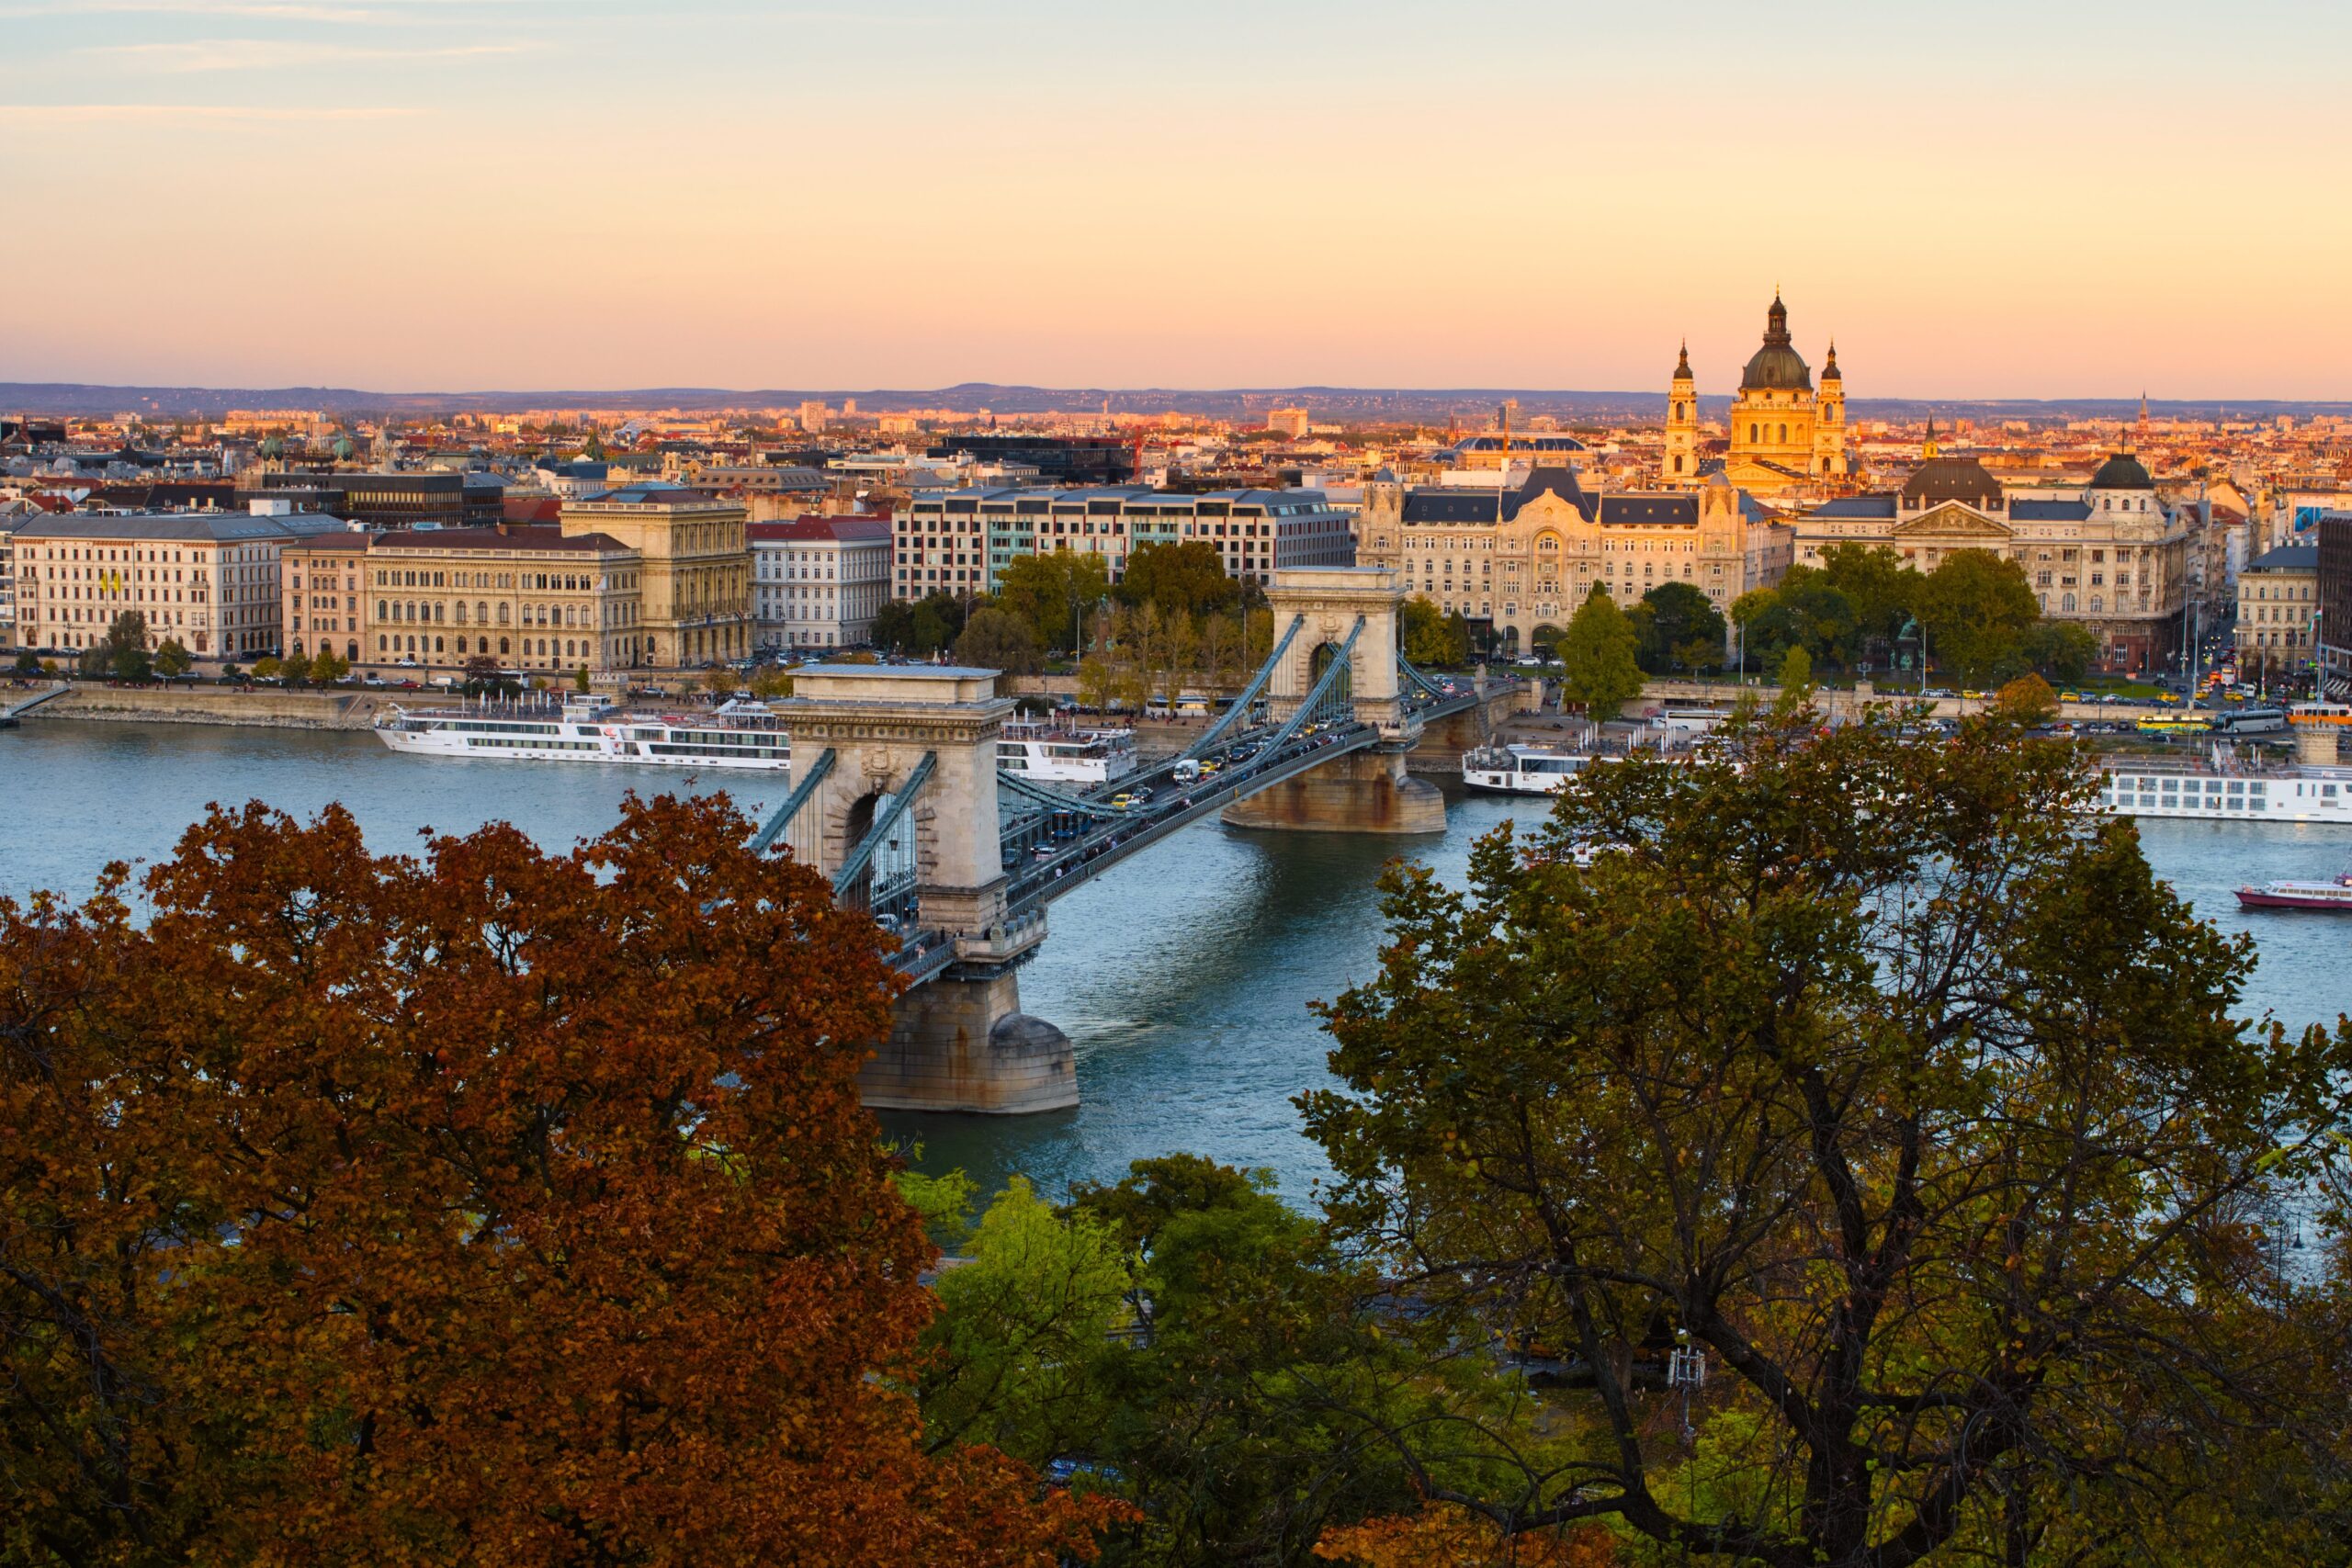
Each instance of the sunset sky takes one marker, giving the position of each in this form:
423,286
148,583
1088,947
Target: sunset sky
1978,199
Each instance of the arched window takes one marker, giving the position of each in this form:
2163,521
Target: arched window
382,613
502,621
436,646
354,653
1751,434
2067,604
1784,435
2098,601
1677,463
481,612
461,612
440,610
382,644
502,645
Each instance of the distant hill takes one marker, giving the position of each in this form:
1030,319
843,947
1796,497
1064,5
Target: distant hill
1474,407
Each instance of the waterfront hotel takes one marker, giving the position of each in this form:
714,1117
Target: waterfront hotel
206,580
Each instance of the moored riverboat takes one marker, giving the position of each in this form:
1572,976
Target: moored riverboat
590,729
1044,753
1524,770
2221,790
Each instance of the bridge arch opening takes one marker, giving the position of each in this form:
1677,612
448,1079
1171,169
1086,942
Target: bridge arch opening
1319,661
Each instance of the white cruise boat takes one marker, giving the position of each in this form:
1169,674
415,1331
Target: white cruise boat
1045,754
1524,770
589,729
2220,791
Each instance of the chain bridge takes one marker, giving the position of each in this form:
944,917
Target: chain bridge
898,799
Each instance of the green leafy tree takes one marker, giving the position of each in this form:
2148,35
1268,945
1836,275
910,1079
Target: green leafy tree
580,680
1977,608
266,667
1022,1329
1098,684
1803,610
923,627
1182,578
1431,638
1796,670
1682,628
894,625
998,639
327,667
122,654
1595,654
294,670
1882,588
1055,592
2060,649
1929,1125
173,660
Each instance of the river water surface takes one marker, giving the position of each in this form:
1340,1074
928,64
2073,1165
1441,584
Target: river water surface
1182,975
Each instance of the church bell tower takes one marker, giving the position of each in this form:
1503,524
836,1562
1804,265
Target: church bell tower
1681,464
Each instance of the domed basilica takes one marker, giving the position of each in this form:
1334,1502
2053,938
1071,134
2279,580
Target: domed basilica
1785,436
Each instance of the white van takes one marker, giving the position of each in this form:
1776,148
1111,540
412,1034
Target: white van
1187,772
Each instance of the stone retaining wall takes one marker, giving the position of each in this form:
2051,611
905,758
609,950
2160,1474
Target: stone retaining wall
262,707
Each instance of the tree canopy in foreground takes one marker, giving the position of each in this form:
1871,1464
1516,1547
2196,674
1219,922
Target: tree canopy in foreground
486,1206
1885,1076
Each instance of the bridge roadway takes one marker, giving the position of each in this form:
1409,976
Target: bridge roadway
1077,855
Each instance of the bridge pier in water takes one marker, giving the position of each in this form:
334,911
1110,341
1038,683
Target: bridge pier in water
1359,792
893,758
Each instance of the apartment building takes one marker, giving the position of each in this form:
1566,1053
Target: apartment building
958,541
817,582
206,580
2279,607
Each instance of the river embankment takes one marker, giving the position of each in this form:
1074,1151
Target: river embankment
258,708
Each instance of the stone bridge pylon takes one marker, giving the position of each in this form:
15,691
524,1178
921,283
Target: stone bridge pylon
895,800
1365,791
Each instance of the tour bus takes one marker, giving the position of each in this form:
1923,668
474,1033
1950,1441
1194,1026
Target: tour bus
2174,724
2252,721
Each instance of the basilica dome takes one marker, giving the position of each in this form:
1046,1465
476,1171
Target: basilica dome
1777,367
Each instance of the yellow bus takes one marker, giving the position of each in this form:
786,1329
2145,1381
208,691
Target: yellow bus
2174,724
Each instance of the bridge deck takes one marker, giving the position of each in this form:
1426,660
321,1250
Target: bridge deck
1079,854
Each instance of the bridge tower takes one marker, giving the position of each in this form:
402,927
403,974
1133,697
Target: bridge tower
888,759
1365,791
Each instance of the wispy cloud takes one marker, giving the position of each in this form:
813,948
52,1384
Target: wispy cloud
274,54
90,113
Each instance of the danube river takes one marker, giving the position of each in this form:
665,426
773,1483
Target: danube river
1182,975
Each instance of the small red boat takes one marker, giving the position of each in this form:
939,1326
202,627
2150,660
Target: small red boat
2335,894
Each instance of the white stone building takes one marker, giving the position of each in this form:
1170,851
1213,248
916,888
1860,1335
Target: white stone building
816,582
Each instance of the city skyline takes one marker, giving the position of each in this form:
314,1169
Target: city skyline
416,197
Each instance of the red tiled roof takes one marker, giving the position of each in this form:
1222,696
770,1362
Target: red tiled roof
530,509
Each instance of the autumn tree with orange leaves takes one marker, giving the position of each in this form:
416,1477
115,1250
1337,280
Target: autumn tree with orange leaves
485,1206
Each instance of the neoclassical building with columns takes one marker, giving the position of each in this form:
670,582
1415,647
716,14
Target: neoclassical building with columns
1525,554
1785,435
2109,557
